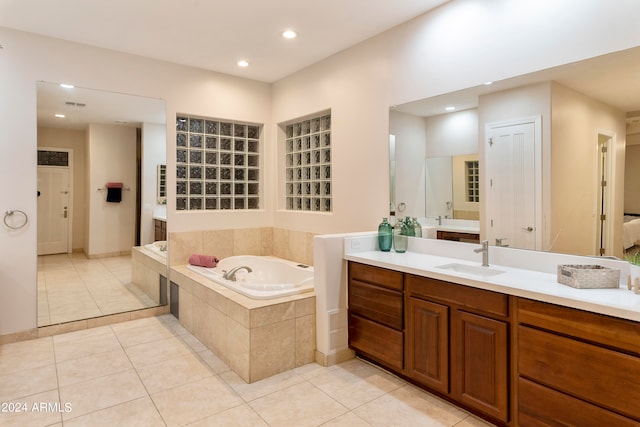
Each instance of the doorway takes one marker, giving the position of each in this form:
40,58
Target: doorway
512,183
604,221
55,201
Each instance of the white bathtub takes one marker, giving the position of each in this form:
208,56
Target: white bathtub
159,247
271,277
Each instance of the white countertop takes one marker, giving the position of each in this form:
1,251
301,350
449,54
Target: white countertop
536,285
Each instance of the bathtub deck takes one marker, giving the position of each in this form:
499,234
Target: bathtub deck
256,338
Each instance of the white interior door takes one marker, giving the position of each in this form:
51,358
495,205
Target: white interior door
53,210
511,190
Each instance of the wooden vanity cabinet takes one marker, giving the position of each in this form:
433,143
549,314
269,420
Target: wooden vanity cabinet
457,342
160,230
576,367
376,314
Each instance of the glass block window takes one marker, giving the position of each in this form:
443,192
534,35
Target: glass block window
308,164
472,177
218,164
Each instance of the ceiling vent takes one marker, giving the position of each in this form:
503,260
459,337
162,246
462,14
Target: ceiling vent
75,104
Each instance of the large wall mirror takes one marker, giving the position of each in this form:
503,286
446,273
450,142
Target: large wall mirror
98,157
568,138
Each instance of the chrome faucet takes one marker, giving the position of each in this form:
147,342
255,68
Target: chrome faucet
485,253
231,274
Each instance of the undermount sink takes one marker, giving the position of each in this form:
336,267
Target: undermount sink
471,269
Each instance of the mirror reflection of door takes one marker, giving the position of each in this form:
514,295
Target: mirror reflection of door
54,202
511,211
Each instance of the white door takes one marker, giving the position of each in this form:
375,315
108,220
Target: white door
53,210
511,190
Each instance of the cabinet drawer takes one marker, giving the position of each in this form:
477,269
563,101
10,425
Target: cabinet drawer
479,299
376,275
376,303
610,331
598,375
376,341
540,406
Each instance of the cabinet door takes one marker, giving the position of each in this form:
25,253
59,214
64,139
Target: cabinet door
480,363
427,343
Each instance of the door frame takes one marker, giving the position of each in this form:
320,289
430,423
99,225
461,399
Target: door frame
608,200
539,212
71,192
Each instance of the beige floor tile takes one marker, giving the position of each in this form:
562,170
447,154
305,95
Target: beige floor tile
31,411
241,415
194,401
26,355
408,406
143,334
354,382
260,388
348,420
214,362
156,351
100,393
139,413
172,373
194,343
27,382
84,344
300,405
472,421
93,366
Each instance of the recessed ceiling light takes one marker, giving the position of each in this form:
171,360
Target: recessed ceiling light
66,86
488,83
450,108
289,34
59,116
243,63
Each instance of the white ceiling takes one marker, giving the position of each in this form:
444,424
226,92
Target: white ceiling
215,34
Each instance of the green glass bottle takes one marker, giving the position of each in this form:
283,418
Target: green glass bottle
417,227
385,235
409,229
400,239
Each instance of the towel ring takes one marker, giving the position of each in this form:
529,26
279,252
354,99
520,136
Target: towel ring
10,213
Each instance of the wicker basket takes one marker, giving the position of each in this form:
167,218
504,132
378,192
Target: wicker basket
588,276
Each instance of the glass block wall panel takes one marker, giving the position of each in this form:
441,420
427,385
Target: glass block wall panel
473,180
308,164
217,164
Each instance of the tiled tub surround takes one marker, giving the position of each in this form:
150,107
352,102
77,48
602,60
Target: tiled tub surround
146,268
256,338
287,244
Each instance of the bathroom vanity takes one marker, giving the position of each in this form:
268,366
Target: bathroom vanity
508,344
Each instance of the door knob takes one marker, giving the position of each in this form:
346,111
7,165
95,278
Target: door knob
527,228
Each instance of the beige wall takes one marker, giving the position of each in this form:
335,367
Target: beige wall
74,140
112,158
632,179
576,122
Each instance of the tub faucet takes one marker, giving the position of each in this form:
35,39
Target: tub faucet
485,253
231,274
